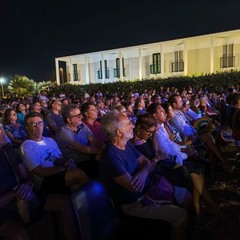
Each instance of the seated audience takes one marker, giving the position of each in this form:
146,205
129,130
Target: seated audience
13,129
90,116
37,108
42,157
165,145
139,107
21,112
126,174
16,186
54,116
77,142
180,122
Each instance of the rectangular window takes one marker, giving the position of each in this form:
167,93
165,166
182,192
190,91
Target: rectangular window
99,72
117,69
178,64
155,67
106,69
228,59
75,73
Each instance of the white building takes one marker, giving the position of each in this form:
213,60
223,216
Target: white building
187,56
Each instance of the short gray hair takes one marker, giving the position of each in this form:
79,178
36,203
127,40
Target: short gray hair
110,124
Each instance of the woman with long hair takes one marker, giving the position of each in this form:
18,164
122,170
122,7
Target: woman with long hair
13,128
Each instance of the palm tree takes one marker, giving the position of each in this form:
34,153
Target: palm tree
44,85
21,86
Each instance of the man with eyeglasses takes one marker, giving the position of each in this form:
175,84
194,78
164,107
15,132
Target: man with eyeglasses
77,142
41,155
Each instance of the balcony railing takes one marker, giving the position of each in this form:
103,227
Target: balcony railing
177,66
116,72
76,75
99,73
227,61
155,68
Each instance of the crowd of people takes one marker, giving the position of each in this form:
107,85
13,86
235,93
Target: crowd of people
51,146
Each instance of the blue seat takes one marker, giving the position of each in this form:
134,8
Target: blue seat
98,219
94,210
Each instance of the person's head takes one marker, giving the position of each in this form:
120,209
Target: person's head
72,115
100,104
145,126
56,105
3,108
89,111
9,116
64,101
186,105
34,125
117,126
121,108
157,112
176,101
156,98
42,92
168,110
35,108
194,102
20,108
139,102
43,103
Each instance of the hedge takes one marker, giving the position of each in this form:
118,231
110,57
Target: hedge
219,81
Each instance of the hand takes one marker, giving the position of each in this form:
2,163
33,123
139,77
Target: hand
138,181
24,191
70,164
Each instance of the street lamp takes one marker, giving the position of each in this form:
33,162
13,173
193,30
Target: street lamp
2,81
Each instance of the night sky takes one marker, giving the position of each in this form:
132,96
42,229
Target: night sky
33,33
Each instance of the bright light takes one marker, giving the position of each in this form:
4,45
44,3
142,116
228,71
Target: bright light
2,80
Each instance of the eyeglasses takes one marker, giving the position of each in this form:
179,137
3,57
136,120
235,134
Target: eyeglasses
149,131
76,116
35,124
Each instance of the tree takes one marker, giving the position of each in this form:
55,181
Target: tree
21,86
42,86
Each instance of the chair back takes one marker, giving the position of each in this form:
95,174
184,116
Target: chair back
94,210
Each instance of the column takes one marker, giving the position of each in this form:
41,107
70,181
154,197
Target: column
162,60
57,71
212,55
70,74
185,58
86,71
121,66
140,64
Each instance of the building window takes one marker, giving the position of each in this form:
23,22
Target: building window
75,73
106,69
227,60
116,70
99,72
155,67
178,64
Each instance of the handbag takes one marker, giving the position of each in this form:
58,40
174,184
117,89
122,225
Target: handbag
160,192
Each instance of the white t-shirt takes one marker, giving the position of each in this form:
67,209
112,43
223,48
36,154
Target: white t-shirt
167,146
43,153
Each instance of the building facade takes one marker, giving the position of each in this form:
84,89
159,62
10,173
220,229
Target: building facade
180,57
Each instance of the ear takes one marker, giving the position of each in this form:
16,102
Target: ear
68,120
155,115
119,132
